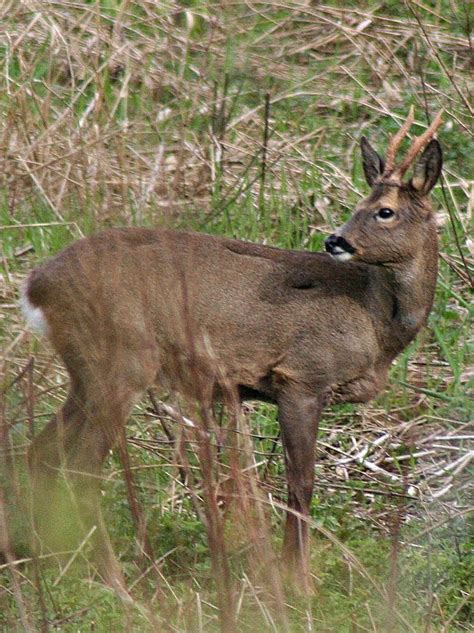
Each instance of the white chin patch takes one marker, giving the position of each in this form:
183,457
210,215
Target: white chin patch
34,316
341,256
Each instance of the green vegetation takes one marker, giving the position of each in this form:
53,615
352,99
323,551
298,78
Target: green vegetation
123,113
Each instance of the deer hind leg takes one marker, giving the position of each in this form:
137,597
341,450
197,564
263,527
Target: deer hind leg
48,456
65,464
298,415
100,431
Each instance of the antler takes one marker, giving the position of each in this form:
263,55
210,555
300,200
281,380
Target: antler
395,143
419,143
416,146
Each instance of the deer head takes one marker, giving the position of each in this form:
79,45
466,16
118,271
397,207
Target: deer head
386,223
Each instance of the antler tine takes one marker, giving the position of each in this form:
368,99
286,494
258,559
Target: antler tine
418,143
395,142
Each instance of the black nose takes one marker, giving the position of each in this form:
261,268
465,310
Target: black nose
337,242
330,242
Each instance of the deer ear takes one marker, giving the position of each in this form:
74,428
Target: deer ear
427,168
372,162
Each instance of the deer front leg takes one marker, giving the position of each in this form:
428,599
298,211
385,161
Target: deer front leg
298,415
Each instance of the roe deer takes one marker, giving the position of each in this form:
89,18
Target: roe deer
130,308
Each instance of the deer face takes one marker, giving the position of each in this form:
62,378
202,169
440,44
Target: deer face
386,224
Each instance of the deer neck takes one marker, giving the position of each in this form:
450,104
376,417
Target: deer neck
411,288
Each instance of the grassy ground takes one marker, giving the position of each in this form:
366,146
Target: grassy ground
243,119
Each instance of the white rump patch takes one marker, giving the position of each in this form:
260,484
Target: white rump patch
34,316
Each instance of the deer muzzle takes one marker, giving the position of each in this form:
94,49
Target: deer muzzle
339,248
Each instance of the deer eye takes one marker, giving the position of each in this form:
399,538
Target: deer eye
385,213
